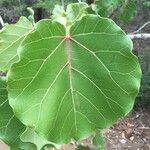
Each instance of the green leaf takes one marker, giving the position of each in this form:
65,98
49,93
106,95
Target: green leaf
125,8
73,13
31,16
105,7
59,15
30,136
67,85
11,37
146,4
129,10
99,141
76,11
10,126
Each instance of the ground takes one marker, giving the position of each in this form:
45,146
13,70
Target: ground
130,133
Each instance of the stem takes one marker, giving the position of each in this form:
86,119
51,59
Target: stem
143,26
143,36
1,21
62,3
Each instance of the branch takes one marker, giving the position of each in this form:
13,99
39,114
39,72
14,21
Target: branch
143,26
143,36
1,21
62,3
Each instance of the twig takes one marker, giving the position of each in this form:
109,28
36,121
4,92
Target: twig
143,36
62,3
143,26
1,21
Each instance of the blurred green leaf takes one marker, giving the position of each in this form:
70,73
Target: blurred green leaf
76,11
59,15
99,141
122,9
106,7
128,11
73,13
147,4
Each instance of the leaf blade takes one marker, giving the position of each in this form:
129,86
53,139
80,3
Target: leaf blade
75,96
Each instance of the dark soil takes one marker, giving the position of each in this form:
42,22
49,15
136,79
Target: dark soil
130,133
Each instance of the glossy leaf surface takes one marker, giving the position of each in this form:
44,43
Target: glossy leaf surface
67,85
11,37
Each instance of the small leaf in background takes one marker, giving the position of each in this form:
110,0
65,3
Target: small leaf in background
10,126
11,37
31,16
59,15
128,10
73,13
146,4
30,136
124,10
105,7
99,141
76,11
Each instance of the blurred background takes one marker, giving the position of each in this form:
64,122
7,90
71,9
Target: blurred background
130,15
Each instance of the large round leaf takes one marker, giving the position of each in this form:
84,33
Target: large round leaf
67,85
